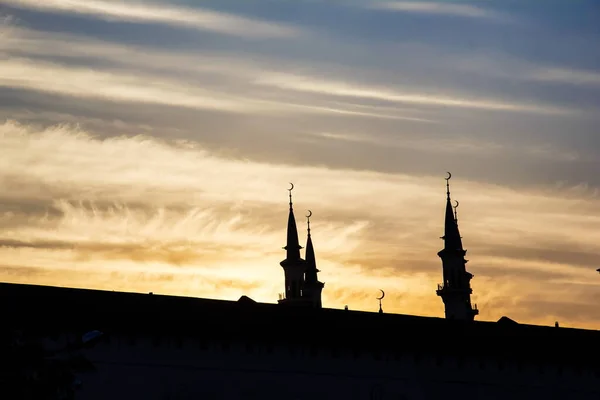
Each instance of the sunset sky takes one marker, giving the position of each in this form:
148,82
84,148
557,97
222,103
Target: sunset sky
147,146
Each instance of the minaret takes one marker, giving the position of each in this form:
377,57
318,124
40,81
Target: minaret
456,290
293,265
312,286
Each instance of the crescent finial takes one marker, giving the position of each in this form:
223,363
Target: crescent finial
291,187
455,212
382,295
449,176
309,214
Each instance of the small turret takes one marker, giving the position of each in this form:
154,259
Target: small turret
312,286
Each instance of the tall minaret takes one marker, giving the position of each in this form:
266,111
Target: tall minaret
456,289
312,286
293,265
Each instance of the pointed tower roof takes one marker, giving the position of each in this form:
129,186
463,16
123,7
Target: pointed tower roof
311,261
452,239
292,245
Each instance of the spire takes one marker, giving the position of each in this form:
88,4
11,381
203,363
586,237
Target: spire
311,262
293,245
451,237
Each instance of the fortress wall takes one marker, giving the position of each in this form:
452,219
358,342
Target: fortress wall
188,368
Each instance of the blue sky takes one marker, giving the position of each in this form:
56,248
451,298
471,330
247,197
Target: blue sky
502,93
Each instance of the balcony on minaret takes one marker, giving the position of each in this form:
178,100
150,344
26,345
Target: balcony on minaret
441,289
447,288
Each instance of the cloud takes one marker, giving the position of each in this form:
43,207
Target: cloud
121,86
87,83
140,74
107,212
345,89
452,145
128,281
563,75
144,81
73,48
225,82
581,313
171,253
439,8
6,23
563,252
135,12
503,66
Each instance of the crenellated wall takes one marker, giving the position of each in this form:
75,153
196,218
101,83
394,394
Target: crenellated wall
184,368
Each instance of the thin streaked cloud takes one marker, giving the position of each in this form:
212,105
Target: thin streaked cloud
493,65
254,72
25,42
86,83
440,8
347,89
130,85
570,76
125,87
136,12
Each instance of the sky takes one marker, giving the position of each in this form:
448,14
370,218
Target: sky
149,145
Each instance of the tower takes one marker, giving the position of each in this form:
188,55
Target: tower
293,265
456,290
312,286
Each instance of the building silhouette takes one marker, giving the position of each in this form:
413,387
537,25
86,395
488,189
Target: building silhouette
167,347
302,286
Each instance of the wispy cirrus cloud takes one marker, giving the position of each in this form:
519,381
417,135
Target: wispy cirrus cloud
136,12
125,82
441,8
455,146
7,25
27,43
124,86
144,75
142,79
347,89
564,75
494,65
87,83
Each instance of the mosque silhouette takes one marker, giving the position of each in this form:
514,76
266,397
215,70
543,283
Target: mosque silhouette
303,288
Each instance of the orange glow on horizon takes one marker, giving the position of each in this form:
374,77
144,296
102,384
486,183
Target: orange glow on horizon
99,228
